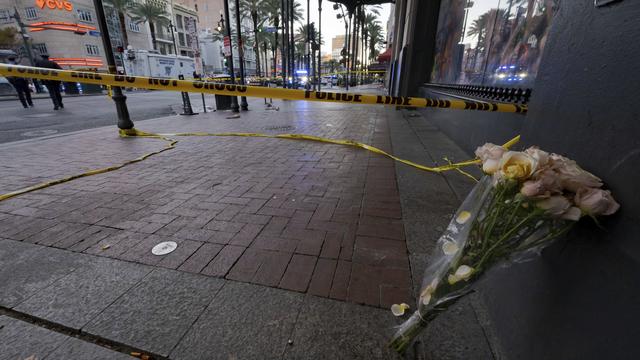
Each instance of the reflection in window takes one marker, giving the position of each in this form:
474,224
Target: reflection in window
491,42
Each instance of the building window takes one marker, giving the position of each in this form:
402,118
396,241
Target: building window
84,15
92,50
5,16
181,39
30,13
490,42
41,49
133,26
179,21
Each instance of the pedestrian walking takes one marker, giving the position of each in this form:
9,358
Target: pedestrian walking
21,85
52,85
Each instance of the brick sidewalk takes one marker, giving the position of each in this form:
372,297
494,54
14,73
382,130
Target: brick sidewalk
297,215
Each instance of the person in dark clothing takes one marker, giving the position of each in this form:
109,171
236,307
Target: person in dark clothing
52,85
22,87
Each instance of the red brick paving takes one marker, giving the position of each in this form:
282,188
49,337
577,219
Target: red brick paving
302,216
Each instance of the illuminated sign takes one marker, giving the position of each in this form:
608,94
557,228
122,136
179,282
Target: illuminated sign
55,4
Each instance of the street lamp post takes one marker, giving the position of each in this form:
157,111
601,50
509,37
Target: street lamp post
243,99
124,122
234,99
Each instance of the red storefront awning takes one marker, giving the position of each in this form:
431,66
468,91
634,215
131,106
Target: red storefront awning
385,56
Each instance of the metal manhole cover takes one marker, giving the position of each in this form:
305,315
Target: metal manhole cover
40,115
280,128
164,248
39,133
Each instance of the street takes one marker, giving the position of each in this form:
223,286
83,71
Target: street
85,112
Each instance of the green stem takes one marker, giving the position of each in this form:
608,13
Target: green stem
504,237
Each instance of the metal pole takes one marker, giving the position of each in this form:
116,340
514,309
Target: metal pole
285,40
173,36
308,47
319,44
346,46
234,99
292,47
124,122
243,99
349,53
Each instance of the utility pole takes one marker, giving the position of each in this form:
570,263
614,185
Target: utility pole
243,99
124,122
234,100
319,44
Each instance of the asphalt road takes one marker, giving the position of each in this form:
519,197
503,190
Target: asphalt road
85,112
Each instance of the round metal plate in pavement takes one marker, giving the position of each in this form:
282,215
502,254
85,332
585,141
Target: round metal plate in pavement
39,133
164,248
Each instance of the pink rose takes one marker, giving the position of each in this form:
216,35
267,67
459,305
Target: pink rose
555,205
573,177
596,202
490,155
573,214
543,184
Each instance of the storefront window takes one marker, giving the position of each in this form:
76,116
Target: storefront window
491,42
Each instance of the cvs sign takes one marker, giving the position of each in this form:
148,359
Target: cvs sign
55,4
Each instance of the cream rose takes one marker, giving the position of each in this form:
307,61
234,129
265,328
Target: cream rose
596,202
490,155
572,176
517,165
542,157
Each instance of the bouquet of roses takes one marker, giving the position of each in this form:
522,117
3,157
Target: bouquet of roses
526,200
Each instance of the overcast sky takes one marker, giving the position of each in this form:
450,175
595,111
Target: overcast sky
331,26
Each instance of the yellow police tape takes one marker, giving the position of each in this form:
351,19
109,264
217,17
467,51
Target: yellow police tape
172,144
254,91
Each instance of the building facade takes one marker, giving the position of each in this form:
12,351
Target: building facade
578,62
337,44
68,33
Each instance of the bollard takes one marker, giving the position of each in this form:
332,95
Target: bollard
186,102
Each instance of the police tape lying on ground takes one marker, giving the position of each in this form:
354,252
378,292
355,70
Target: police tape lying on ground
252,91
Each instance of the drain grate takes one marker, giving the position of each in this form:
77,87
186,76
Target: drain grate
280,128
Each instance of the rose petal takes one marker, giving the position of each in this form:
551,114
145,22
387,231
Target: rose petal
449,248
463,217
426,299
399,309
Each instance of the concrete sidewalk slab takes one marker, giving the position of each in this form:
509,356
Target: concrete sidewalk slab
244,321
27,270
80,296
21,340
156,313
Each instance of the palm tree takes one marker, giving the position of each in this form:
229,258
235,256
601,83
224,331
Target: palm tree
375,39
254,9
150,12
478,28
121,7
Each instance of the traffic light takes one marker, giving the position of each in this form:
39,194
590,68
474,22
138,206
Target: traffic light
120,49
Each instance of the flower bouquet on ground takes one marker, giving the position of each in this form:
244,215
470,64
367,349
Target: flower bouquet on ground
524,202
